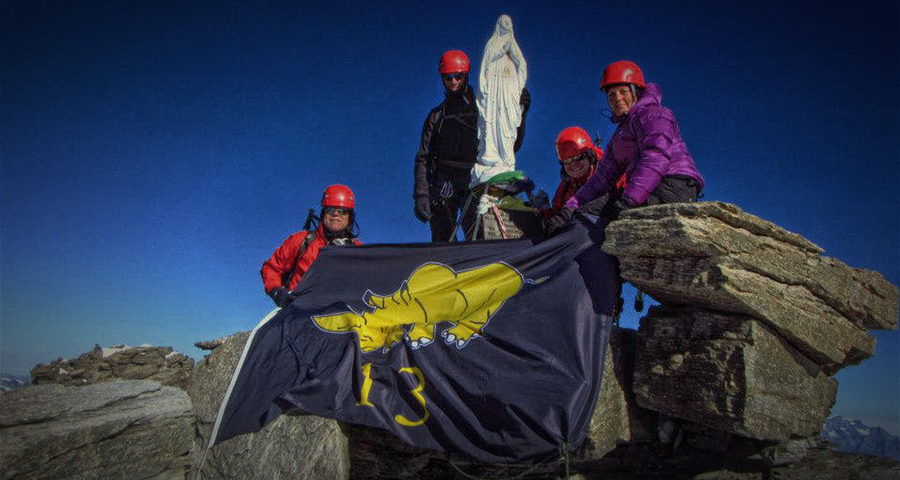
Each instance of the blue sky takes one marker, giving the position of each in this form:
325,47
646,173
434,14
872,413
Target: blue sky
155,153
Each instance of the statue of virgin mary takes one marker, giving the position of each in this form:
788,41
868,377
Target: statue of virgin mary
500,82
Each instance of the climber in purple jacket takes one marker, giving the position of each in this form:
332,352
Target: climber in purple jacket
647,147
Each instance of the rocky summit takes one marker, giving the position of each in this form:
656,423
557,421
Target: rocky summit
730,377
160,364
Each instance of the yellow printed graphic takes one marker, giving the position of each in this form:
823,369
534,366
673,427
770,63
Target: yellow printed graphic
417,392
366,386
432,294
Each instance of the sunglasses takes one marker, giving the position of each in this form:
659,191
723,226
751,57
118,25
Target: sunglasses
454,76
577,158
338,210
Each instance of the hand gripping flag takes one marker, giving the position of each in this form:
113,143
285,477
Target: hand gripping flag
491,349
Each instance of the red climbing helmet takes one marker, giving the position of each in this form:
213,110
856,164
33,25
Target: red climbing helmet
623,71
338,196
453,61
571,142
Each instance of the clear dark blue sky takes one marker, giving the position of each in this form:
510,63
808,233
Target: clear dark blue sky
155,153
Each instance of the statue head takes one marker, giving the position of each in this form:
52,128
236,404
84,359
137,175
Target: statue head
504,25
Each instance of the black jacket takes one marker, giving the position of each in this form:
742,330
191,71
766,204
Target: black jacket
449,142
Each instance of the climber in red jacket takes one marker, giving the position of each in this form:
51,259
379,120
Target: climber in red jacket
283,270
578,158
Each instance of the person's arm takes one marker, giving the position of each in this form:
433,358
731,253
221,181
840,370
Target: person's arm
281,262
423,156
598,184
421,186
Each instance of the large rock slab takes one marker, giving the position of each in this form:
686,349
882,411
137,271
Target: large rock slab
160,364
712,255
290,447
114,430
731,373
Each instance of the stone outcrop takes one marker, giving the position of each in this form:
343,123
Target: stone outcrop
714,256
113,430
731,373
289,447
160,364
753,322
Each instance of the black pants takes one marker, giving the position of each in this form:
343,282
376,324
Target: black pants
444,212
674,189
671,189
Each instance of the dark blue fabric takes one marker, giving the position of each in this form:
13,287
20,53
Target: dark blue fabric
519,391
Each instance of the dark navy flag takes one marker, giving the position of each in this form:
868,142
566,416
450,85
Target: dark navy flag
491,349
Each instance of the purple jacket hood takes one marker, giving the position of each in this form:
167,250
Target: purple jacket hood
652,95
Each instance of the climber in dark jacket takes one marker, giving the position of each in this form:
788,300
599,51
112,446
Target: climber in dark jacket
448,149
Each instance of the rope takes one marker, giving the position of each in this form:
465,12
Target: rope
565,455
202,461
500,222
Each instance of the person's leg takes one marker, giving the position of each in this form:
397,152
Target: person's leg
443,219
468,206
673,190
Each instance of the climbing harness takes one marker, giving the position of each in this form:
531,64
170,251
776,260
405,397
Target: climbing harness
447,190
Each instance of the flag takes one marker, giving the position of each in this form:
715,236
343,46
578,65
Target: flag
489,349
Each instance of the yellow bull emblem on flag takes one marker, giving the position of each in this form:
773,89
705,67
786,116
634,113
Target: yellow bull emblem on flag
432,294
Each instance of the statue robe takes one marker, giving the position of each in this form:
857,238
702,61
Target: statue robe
500,82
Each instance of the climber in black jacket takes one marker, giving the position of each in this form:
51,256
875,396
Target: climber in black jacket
448,149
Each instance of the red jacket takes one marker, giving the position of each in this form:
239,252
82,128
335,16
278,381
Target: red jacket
567,187
286,260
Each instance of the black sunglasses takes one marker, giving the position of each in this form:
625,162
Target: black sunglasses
582,157
454,76
339,210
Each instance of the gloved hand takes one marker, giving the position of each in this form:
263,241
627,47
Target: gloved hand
541,200
595,206
559,221
423,208
282,296
623,203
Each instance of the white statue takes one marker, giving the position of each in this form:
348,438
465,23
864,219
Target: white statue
500,82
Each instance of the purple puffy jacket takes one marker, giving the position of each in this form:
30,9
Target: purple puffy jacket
646,146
